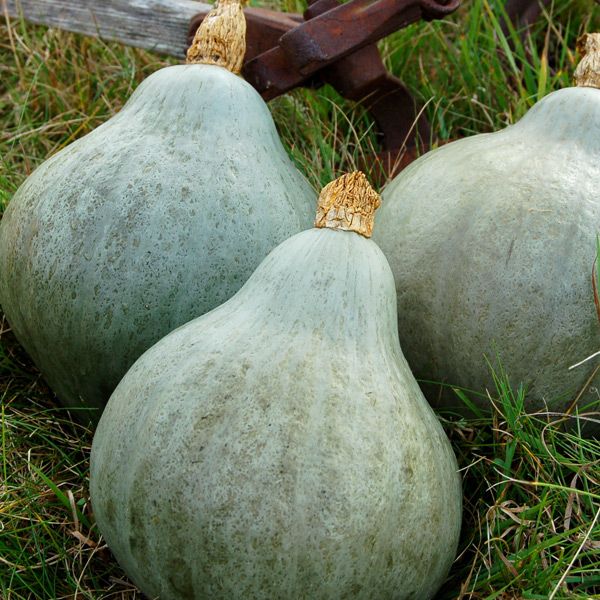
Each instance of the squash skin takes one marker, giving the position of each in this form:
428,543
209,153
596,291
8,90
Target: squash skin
279,447
492,242
154,218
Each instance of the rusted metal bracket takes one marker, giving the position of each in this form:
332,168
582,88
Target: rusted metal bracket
332,31
336,44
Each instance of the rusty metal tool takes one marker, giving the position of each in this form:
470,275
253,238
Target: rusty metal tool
336,43
330,32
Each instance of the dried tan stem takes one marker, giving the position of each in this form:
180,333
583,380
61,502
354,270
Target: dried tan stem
221,37
587,73
349,203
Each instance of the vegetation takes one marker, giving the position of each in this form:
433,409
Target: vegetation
531,481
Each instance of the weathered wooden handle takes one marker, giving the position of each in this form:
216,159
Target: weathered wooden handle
158,25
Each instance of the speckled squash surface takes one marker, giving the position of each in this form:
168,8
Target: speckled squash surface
492,241
154,218
279,447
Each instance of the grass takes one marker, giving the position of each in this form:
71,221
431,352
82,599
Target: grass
532,487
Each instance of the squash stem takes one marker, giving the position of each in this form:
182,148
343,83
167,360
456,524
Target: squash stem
587,73
348,203
221,38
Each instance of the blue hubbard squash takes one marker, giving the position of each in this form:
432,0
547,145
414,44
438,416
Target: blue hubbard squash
156,217
492,241
279,446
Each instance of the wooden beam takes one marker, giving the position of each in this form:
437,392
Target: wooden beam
158,25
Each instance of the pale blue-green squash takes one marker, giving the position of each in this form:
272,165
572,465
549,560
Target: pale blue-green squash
492,241
156,217
279,446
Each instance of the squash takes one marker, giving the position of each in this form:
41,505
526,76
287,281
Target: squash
492,241
279,447
156,217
